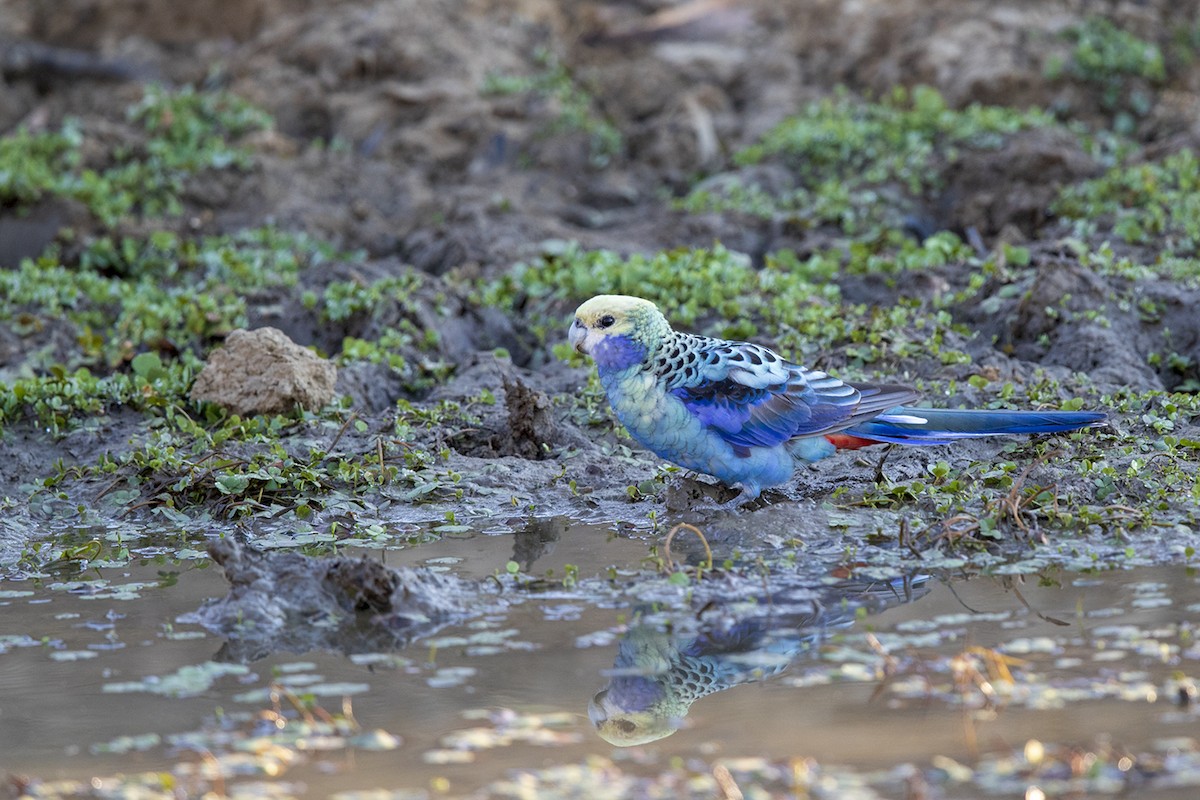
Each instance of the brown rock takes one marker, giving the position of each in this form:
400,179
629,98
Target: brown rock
264,372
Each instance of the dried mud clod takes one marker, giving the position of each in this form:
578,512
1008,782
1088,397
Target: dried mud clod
525,425
530,419
286,601
264,372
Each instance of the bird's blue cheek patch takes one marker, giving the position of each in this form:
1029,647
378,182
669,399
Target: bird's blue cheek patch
615,353
634,692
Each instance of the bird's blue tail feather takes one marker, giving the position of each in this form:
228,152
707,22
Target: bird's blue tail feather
904,425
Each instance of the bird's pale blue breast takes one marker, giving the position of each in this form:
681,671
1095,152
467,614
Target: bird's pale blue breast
617,353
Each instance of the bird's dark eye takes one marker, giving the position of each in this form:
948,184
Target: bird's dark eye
607,321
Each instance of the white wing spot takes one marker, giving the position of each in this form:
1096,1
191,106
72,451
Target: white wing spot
902,419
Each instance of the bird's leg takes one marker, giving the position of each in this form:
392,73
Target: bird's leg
746,496
729,506
703,497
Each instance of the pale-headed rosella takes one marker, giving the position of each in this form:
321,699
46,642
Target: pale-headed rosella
743,414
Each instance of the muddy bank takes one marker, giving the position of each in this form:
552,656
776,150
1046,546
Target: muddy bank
281,601
456,170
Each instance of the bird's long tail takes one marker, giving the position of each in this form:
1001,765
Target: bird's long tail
904,425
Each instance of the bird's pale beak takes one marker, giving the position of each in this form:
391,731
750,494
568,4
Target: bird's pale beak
596,712
576,336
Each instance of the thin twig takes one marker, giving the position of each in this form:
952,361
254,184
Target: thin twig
1040,615
1014,502
383,476
671,535
353,416
725,781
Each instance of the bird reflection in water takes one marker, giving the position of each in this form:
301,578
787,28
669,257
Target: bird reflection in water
660,672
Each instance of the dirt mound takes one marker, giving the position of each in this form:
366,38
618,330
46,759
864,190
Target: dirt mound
1144,336
364,606
1013,185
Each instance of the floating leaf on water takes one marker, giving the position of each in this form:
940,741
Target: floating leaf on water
187,681
450,676
856,672
190,554
128,744
597,639
298,680
445,642
337,689
294,666
376,740
1040,644
8,641
320,742
484,650
448,757
256,697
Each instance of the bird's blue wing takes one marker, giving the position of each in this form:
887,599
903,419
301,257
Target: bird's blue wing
753,398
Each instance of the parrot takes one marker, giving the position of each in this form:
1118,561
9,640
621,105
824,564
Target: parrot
743,414
659,672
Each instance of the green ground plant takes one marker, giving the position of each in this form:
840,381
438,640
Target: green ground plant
858,164
1142,203
163,292
789,302
385,308
181,133
575,110
174,297
1123,67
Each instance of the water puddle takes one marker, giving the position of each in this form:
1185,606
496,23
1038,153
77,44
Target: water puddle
838,685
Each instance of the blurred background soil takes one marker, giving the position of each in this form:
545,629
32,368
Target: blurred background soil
431,169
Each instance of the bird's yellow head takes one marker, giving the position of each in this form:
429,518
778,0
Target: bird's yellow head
617,330
625,728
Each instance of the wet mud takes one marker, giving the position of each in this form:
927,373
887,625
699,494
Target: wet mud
286,602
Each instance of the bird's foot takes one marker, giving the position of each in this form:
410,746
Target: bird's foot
749,499
739,502
689,494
